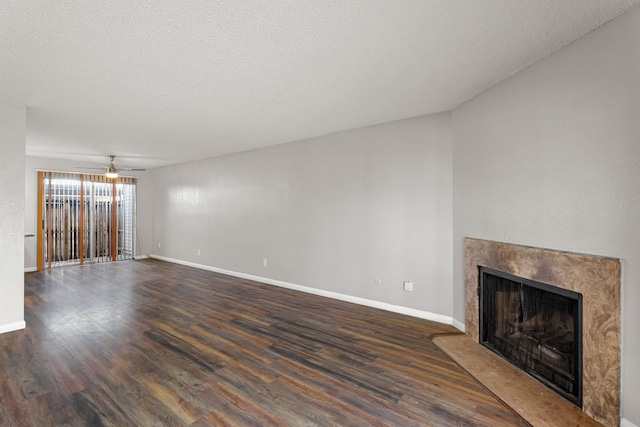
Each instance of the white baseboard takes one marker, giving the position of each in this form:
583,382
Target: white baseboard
626,423
458,325
10,327
30,269
447,320
141,257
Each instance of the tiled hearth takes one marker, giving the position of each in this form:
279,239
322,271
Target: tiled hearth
596,278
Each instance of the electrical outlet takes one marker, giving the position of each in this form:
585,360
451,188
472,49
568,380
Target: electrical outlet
198,251
408,286
159,245
264,262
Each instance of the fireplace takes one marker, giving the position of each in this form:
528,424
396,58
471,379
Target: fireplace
596,278
535,326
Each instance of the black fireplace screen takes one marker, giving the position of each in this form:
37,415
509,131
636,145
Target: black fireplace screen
536,327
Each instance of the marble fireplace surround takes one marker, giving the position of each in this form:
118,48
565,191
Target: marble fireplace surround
596,278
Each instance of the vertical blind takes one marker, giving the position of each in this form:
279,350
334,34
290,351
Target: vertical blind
85,218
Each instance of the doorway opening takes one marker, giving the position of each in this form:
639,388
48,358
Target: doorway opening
84,219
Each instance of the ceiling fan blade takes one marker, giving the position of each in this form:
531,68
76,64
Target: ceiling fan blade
111,169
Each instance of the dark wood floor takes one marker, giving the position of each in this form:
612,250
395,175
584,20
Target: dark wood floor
141,343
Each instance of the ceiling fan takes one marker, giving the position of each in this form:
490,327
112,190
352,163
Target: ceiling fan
111,171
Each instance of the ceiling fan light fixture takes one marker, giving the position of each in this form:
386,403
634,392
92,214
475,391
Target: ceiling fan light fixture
112,173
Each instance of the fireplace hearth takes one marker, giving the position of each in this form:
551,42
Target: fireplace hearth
535,326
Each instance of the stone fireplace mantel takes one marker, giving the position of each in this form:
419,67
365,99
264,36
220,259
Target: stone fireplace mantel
596,278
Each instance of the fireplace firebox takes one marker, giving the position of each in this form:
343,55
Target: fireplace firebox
535,326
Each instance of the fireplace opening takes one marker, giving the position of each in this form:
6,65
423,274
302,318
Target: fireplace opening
535,326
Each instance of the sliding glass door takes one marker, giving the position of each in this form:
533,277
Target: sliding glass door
84,219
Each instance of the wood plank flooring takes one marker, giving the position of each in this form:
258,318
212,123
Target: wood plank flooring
150,343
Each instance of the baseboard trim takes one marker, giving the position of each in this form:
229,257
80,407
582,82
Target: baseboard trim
458,325
427,315
626,423
10,327
30,269
141,257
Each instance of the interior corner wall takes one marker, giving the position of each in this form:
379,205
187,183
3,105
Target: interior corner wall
333,213
551,158
12,140
144,214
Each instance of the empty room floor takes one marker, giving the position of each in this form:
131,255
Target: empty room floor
141,343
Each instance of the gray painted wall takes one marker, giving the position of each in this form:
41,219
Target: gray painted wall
551,158
12,140
333,212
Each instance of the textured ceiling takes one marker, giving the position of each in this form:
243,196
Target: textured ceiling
170,81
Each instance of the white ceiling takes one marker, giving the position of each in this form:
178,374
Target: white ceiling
169,81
